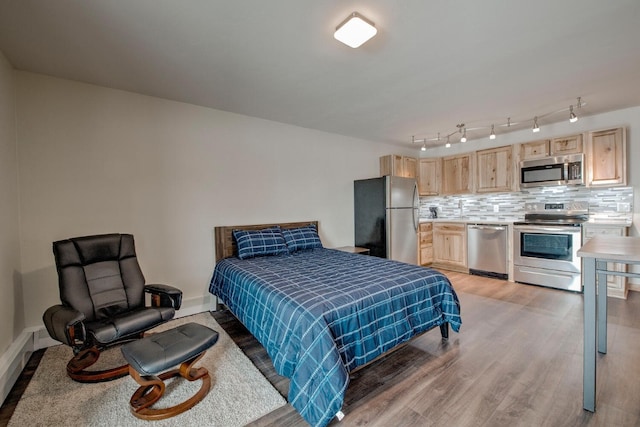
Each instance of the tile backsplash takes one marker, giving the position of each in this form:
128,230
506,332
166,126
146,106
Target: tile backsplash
603,203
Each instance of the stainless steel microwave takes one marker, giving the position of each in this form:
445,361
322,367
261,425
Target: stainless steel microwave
559,170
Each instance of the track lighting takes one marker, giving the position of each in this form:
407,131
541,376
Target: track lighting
536,128
477,131
424,146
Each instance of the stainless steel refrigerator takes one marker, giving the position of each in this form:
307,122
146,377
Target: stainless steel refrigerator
386,217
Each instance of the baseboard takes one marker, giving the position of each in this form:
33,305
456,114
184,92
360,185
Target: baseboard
13,361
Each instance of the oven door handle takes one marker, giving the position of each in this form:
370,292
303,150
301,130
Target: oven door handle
555,230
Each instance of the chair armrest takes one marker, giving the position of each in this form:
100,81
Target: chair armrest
61,322
166,296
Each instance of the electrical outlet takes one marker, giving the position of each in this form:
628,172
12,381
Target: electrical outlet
623,207
496,208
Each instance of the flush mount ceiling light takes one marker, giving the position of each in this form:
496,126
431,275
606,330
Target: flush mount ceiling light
355,30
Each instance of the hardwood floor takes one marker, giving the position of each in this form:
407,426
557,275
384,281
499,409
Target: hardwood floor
517,361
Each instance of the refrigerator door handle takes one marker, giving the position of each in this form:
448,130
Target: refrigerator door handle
416,208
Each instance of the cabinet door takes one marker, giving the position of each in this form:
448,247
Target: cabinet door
457,174
607,158
429,177
425,244
410,167
534,150
391,165
616,285
567,145
494,171
450,246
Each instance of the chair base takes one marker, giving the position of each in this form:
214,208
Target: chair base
87,357
152,388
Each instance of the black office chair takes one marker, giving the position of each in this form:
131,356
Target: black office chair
102,291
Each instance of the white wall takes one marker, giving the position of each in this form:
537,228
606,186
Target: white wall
11,316
96,160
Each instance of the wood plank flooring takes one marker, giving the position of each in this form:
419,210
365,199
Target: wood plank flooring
517,361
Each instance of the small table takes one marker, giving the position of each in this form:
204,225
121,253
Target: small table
596,253
354,250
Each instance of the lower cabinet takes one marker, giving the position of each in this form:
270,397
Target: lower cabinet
450,246
425,243
616,285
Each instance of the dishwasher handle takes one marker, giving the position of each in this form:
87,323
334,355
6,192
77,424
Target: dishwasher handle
488,227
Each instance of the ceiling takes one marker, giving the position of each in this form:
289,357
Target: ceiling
434,64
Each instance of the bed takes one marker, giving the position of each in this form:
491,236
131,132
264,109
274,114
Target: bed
323,313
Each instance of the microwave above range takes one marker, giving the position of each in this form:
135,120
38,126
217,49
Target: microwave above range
559,170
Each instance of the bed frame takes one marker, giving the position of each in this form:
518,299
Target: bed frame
226,245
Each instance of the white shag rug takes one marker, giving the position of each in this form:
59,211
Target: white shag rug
239,392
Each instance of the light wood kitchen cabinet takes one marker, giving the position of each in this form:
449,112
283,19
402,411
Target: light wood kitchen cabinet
616,285
606,158
396,165
494,169
567,145
534,149
429,171
450,246
457,174
425,243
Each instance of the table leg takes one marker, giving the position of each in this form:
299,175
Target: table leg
590,320
602,308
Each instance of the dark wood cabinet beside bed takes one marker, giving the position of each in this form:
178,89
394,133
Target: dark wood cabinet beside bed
323,313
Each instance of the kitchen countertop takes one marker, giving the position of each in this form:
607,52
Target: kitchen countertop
592,221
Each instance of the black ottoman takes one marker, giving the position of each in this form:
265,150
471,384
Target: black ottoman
151,355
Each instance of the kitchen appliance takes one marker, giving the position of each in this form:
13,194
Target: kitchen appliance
487,250
386,217
560,170
546,242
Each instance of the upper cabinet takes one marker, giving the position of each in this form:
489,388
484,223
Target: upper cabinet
457,174
494,169
429,171
606,158
566,145
397,165
534,150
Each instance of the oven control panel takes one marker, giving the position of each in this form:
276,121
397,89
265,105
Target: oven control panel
573,207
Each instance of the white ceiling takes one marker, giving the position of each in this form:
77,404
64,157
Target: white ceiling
432,65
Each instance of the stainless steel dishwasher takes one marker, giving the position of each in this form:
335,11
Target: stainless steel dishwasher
487,250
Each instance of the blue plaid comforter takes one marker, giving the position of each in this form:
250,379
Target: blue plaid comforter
321,313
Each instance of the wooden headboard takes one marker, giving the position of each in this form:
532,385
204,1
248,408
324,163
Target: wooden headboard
226,246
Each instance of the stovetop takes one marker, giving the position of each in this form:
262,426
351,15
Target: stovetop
573,214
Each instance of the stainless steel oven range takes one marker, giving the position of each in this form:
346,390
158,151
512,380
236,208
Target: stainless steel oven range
546,242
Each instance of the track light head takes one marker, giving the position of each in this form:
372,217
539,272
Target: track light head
492,135
536,128
572,116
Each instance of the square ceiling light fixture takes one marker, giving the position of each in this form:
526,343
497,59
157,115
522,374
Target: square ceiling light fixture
355,30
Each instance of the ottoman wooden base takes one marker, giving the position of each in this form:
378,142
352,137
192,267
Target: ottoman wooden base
158,352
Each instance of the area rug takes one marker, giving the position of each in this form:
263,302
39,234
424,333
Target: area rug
239,392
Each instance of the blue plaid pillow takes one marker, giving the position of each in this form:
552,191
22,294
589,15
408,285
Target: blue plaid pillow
252,243
302,238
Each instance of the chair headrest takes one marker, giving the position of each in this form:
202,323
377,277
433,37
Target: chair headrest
91,249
